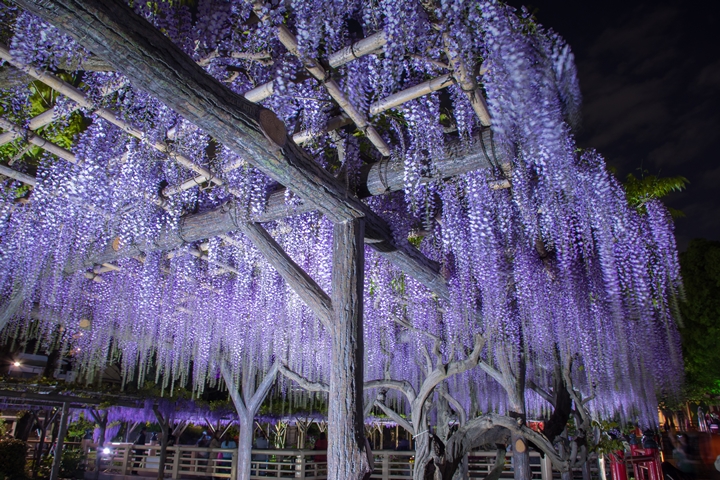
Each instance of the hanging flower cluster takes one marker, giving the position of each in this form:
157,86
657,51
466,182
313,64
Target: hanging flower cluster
555,269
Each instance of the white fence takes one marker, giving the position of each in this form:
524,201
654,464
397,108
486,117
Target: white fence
123,459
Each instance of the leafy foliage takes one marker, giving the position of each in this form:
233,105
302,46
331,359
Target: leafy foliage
71,463
701,316
77,429
63,131
641,190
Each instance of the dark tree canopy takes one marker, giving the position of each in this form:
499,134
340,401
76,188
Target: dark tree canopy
700,266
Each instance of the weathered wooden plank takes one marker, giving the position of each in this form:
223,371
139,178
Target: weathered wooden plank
112,31
310,292
347,458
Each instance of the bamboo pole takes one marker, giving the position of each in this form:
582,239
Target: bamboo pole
332,124
45,118
341,57
462,74
39,141
78,97
260,93
55,472
287,38
358,49
411,93
21,177
467,82
49,116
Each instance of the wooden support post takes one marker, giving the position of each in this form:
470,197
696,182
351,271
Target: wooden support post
247,402
176,463
602,467
347,458
55,472
41,444
586,470
233,466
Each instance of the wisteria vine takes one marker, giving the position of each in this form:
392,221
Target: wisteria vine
556,268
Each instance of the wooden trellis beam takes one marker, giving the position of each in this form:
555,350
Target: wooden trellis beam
380,178
296,277
111,30
306,288
70,157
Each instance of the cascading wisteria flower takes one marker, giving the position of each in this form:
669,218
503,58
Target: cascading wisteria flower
556,269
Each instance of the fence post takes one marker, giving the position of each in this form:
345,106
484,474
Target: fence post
233,465
546,468
176,462
300,466
385,466
126,456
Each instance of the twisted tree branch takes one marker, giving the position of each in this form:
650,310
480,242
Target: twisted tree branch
304,383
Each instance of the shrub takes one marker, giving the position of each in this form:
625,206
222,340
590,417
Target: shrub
12,458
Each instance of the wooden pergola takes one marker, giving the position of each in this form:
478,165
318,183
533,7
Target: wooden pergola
130,45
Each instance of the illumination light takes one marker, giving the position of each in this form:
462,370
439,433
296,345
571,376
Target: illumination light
17,364
106,451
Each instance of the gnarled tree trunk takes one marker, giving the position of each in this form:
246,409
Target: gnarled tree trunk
347,455
247,403
244,452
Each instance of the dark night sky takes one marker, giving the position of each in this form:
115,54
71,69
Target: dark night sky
650,76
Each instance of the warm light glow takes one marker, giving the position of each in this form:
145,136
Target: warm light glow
17,364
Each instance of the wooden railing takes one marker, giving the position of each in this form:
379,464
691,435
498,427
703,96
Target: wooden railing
188,462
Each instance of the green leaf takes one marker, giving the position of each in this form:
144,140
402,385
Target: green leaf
639,191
